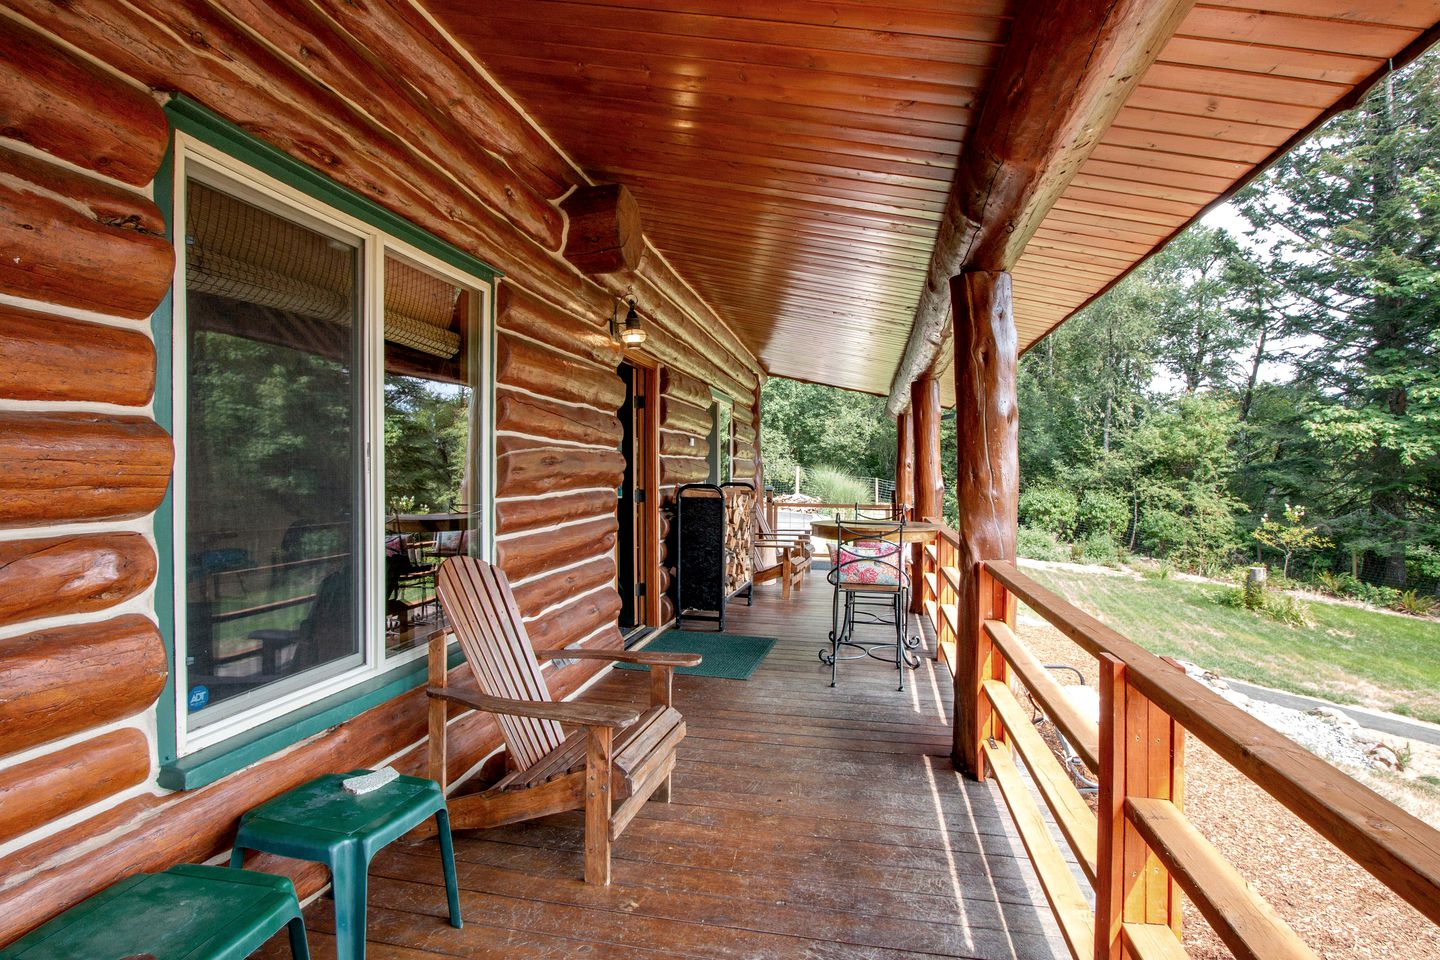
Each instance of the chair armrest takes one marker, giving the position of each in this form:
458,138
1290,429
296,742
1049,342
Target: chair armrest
656,659
561,711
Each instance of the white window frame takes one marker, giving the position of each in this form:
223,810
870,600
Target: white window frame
192,155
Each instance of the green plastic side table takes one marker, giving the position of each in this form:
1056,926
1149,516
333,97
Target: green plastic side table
189,912
320,821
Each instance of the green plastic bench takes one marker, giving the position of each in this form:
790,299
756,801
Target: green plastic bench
189,912
321,822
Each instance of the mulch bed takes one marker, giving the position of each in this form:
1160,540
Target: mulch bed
1334,905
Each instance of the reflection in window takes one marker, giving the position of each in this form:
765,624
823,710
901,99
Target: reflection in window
431,500
271,453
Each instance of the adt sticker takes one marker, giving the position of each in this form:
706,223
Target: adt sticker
199,696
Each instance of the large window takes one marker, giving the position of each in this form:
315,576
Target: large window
331,409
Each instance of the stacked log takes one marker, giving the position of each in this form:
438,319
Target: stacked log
89,257
686,419
379,100
557,466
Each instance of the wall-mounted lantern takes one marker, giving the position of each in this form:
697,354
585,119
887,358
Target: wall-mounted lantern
629,332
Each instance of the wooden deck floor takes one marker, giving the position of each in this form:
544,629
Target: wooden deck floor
806,822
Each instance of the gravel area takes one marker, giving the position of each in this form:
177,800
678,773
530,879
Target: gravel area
1334,905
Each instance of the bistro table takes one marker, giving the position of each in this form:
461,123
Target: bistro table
916,531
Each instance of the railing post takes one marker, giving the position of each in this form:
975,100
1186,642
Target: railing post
1142,754
994,603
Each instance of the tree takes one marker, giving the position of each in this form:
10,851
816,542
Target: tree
1355,217
1290,536
812,426
1196,325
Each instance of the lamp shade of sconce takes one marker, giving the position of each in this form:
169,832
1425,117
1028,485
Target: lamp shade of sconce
630,332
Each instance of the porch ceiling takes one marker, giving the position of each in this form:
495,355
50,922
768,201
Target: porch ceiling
793,162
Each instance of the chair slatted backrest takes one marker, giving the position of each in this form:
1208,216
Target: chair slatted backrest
482,612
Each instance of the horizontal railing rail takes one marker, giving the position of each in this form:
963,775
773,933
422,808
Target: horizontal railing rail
1140,851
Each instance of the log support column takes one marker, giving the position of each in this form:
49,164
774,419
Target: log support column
904,461
929,482
987,489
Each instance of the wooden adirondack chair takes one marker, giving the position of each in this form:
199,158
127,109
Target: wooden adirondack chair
610,755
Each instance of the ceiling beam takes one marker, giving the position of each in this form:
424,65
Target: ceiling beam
1063,76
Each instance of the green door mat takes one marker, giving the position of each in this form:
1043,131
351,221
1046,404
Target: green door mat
727,655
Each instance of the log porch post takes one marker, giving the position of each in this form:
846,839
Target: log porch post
904,460
987,488
929,482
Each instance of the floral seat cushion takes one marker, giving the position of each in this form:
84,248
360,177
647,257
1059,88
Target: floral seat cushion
878,563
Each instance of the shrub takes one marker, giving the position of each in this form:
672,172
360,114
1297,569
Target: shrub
1038,545
1103,512
1278,606
833,485
1097,548
1052,509
1161,571
1331,583
1415,604
1375,595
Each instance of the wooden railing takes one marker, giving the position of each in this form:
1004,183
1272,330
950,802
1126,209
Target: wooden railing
1140,851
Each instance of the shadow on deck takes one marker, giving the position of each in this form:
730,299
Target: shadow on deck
806,822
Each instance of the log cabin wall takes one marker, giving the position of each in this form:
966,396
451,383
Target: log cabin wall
82,658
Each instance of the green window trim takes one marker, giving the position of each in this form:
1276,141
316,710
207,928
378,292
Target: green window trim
207,765
222,759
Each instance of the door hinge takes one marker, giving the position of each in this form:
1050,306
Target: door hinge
640,495
640,402
639,589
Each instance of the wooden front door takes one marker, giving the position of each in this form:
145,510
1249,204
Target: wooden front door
635,498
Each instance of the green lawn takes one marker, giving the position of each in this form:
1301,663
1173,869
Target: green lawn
1350,655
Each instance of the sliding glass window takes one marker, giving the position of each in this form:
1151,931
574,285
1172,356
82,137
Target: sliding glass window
331,414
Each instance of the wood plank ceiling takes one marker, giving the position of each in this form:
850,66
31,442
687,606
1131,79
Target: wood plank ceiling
791,158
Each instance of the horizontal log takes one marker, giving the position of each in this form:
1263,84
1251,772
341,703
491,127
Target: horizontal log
538,417
545,592
150,833
550,469
744,433
439,72
701,326
60,575
38,791
682,386
525,313
529,366
575,620
674,444
533,553
69,108
667,609
79,242
75,466
195,50
513,516
384,92
57,682
742,468
52,358
676,470
604,235
677,414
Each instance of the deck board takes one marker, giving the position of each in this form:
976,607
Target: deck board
807,822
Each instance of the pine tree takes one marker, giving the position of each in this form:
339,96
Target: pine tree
1354,215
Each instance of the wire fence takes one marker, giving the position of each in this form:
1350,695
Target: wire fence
832,486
